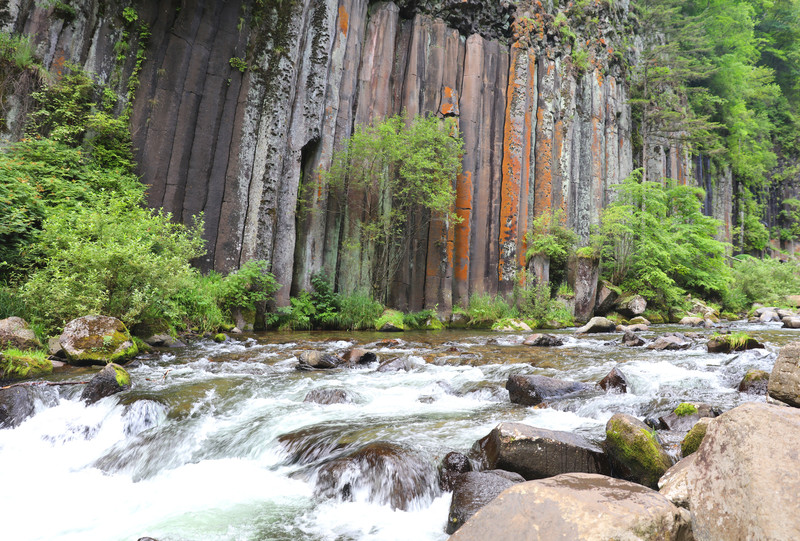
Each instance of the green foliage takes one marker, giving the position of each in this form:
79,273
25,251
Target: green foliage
684,409
657,242
17,364
129,15
761,280
358,311
580,59
238,63
549,236
484,310
404,170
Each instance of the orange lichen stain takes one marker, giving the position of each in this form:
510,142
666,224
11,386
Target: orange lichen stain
448,92
463,228
447,108
599,76
543,180
344,20
511,168
58,65
558,149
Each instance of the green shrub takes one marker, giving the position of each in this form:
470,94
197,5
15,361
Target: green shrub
484,310
358,311
766,281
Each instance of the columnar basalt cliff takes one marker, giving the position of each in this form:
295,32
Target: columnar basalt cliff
541,100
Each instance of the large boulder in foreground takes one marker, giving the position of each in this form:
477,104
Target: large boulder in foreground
743,481
634,450
472,491
16,333
535,453
112,379
784,381
97,340
532,390
577,506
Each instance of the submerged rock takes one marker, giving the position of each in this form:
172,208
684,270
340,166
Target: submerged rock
535,453
328,396
472,491
532,390
97,340
110,380
16,333
317,360
387,473
634,450
784,381
577,506
743,481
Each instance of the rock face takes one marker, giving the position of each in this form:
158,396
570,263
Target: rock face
532,390
110,380
16,333
535,453
97,340
471,492
634,450
577,506
744,476
784,381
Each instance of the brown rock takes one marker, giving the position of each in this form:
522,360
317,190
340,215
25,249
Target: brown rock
453,464
670,342
543,340
755,382
784,381
16,333
577,506
631,339
472,491
614,380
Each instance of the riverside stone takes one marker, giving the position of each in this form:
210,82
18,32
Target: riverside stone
97,340
596,325
110,380
634,450
472,491
532,390
784,381
16,333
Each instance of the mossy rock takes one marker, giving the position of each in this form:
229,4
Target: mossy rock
509,324
684,409
390,321
635,450
755,382
654,317
110,380
16,364
730,316
220,337
97,340
617,318
433,323
694,437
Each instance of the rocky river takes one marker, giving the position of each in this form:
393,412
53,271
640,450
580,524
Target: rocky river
217,441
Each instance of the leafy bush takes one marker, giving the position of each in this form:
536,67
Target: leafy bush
761,280
358,311
485,309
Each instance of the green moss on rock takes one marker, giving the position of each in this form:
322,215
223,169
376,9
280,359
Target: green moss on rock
220,337
16,364
694,437
390,320
634,447
122,376
684,409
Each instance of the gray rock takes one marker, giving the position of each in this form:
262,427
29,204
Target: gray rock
687,418
784,381
693,321
670,342
317,360
16,405
453,464
532,390
328,396
768,316
632,340
754,382
471,492
97,340
792,322
16,333
577,506
631,306
606,298
535,453
163,341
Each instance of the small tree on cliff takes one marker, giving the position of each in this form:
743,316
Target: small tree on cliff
397,174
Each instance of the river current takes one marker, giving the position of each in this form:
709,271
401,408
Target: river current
194,452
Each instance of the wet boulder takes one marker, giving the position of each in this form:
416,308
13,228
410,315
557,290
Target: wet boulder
313,443
163,340
387,473
453,464
743,481
614,381
670,342
328,396
532,390
16,405
728,343
471,492
634,327
635,452
694,437
597,325
97,340
317,360
359,356
110,380
683,417
577,506
694,321
543,340
396,365
535,453
768,316
754,382
16,333
632,340
784,381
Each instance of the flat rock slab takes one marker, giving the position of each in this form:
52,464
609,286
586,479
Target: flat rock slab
535,453
577,506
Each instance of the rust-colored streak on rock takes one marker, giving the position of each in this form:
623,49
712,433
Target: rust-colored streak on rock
543,179
461,236
344,20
